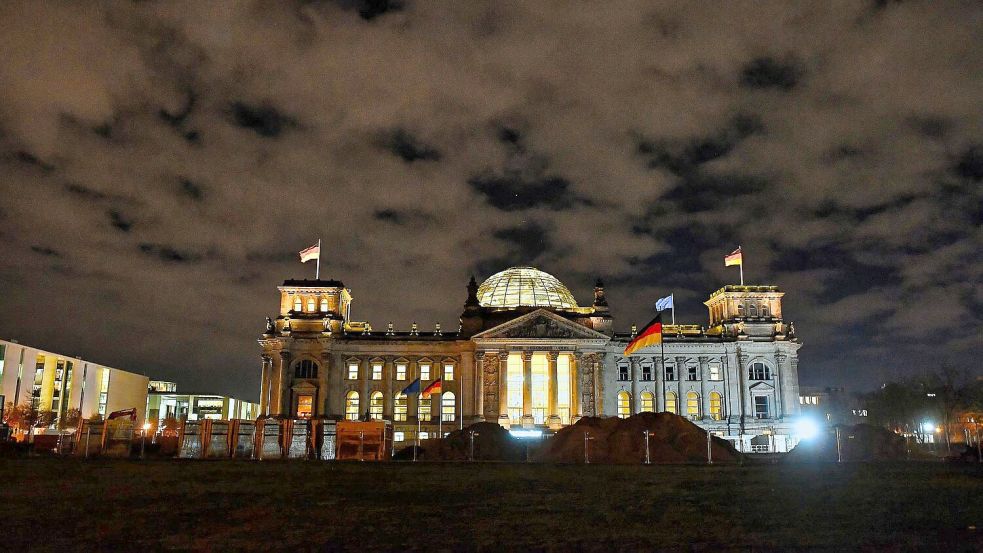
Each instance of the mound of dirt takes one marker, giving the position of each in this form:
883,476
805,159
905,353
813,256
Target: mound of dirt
673,439
861,442
491,443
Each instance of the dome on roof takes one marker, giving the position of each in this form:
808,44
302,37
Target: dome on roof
524,287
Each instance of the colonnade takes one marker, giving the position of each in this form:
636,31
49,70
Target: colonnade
520,394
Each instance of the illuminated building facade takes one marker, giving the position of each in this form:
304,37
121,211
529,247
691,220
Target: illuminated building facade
528,356
163,401
58,383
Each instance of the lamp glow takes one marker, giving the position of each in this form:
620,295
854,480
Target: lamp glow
807,429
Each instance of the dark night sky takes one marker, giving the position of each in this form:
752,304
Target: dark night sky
162,163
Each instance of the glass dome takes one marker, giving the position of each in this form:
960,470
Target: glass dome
524,287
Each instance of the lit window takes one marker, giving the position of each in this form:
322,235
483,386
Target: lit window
400,407
716,406
447,407
423,409
398,436
646,373
324,304
310,304
375,405
803,400
424,435
764,310
305,406
692,373
624,405
298,305
715,371
693,405
752,310
448,371
400,371
761,407
759,371
376,371
648,402
740,310
353,371
671,406
424,371
305,369
351,406
670,372
623,372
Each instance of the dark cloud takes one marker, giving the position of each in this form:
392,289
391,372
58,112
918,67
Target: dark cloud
119,221
683,157
169,254
264,120
190,189
767,72
177,118
970,164
45,251
31,159
371,9
401,143
513,191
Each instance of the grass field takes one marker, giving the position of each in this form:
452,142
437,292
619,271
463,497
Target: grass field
67,504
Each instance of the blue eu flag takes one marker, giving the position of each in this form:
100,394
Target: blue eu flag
413,388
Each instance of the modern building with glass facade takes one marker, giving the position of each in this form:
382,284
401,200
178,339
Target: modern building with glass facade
56,382
164,401
527,356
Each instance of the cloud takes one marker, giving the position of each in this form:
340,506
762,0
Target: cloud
177,156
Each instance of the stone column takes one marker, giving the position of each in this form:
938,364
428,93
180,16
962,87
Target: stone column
412,400
553,416
633,368
527,419
283,401
660,388
388,400
264,387
468,388
704,363
503,388
575,409
779,395
324,384
587,403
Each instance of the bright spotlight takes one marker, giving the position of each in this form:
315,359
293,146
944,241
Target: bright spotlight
928,427
807,429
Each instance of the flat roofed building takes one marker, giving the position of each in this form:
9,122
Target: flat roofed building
163,401
58,382
528,356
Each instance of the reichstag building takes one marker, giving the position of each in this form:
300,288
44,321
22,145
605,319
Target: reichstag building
529,357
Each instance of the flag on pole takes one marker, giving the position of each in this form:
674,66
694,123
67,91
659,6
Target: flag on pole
433,388
650,335
313,252
735,258
664,303
413,388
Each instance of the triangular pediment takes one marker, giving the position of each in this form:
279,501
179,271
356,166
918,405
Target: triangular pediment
761,387
541,324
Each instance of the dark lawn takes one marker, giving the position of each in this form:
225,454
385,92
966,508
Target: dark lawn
66,504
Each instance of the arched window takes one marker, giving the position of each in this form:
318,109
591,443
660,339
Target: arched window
752,310
423,409
624,405
399,407
648,401
324,304
305,369
375,405
759,371
764,310
298,305
447,407
716,406
351,406
671,404
310,304
693,405
740,310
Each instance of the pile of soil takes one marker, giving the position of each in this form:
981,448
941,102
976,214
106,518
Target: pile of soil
613,440
861,442
491,443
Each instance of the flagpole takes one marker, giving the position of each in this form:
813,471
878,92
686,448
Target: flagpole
317,270
741,265
673,301
662,345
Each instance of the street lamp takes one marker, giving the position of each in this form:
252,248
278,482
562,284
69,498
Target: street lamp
473,434
143,439
587,437
648,455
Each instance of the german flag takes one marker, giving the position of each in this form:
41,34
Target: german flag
650,335
433,388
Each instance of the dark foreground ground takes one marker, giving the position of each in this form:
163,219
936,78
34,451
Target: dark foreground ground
66,505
